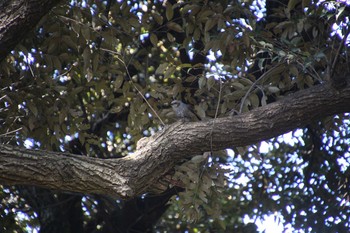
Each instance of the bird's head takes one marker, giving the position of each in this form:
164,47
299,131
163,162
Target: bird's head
175,103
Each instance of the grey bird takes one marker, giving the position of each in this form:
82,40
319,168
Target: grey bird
183,111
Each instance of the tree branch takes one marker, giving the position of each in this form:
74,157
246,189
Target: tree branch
157,155
17,18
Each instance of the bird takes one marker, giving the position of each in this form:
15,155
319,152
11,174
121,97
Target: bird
184,111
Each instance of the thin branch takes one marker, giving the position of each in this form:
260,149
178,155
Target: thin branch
10,132
133,84
338,52
255,83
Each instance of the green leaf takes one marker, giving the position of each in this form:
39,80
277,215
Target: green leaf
175,27
306,3
95,61
33,108
57,63
210,82
273,89
161,68
293,70
118,82
245,81
196,34
198,159
237,85
170,37
201,82
210,24
144,119
170,71
86,57
169,12
154,39
85,31
292,4
158,18
254,100
134,22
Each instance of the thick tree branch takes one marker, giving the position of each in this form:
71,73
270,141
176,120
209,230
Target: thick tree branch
155,156
17,18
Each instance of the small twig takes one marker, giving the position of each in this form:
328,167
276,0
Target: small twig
211,135
30,68
2,97
338,52
249,90
13,131
254,84
65,73
133,84
317,75
215,116
219,99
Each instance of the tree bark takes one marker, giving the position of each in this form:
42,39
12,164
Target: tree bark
17,18
139,172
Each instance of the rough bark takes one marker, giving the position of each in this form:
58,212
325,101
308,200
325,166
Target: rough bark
17,18
155,156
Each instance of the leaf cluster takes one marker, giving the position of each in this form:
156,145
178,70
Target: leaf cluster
96,76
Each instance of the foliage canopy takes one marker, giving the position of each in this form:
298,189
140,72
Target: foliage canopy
94,77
